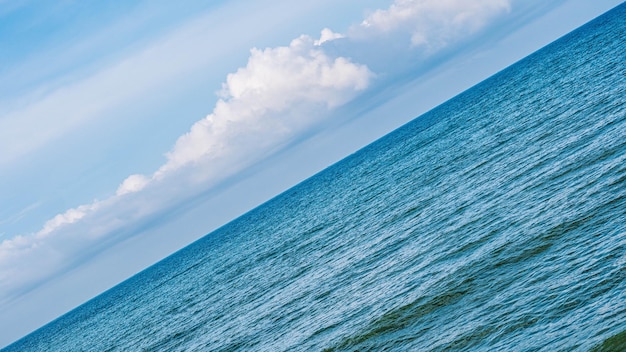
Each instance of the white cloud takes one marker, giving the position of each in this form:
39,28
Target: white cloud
269,100
49,112
277,96
70,216
22,245
328,35
433,24
132,184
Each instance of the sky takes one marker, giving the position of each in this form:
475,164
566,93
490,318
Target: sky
129,129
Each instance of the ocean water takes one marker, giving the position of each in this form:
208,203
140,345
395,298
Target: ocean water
495,222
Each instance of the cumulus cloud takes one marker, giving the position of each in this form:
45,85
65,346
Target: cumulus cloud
264,102
70,216
133,183
328,35
279,94
27,258
432,24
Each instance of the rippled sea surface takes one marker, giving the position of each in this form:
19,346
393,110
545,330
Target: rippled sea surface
495,222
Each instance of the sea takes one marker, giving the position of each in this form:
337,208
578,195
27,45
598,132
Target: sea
494,222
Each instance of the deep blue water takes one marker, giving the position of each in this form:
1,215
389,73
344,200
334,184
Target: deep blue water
495,222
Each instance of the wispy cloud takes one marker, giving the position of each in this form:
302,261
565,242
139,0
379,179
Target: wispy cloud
280,94
20,214
63,110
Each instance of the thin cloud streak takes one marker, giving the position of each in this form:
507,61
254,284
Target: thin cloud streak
67,108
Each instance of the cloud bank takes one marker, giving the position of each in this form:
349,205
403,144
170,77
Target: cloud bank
280,94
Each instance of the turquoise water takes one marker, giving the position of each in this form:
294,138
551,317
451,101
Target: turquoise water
495,222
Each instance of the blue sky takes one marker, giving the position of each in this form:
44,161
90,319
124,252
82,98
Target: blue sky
130,129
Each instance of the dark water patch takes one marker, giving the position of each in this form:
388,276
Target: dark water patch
383,331
615,343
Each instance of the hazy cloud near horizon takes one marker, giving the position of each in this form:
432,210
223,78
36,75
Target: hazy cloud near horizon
279,95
